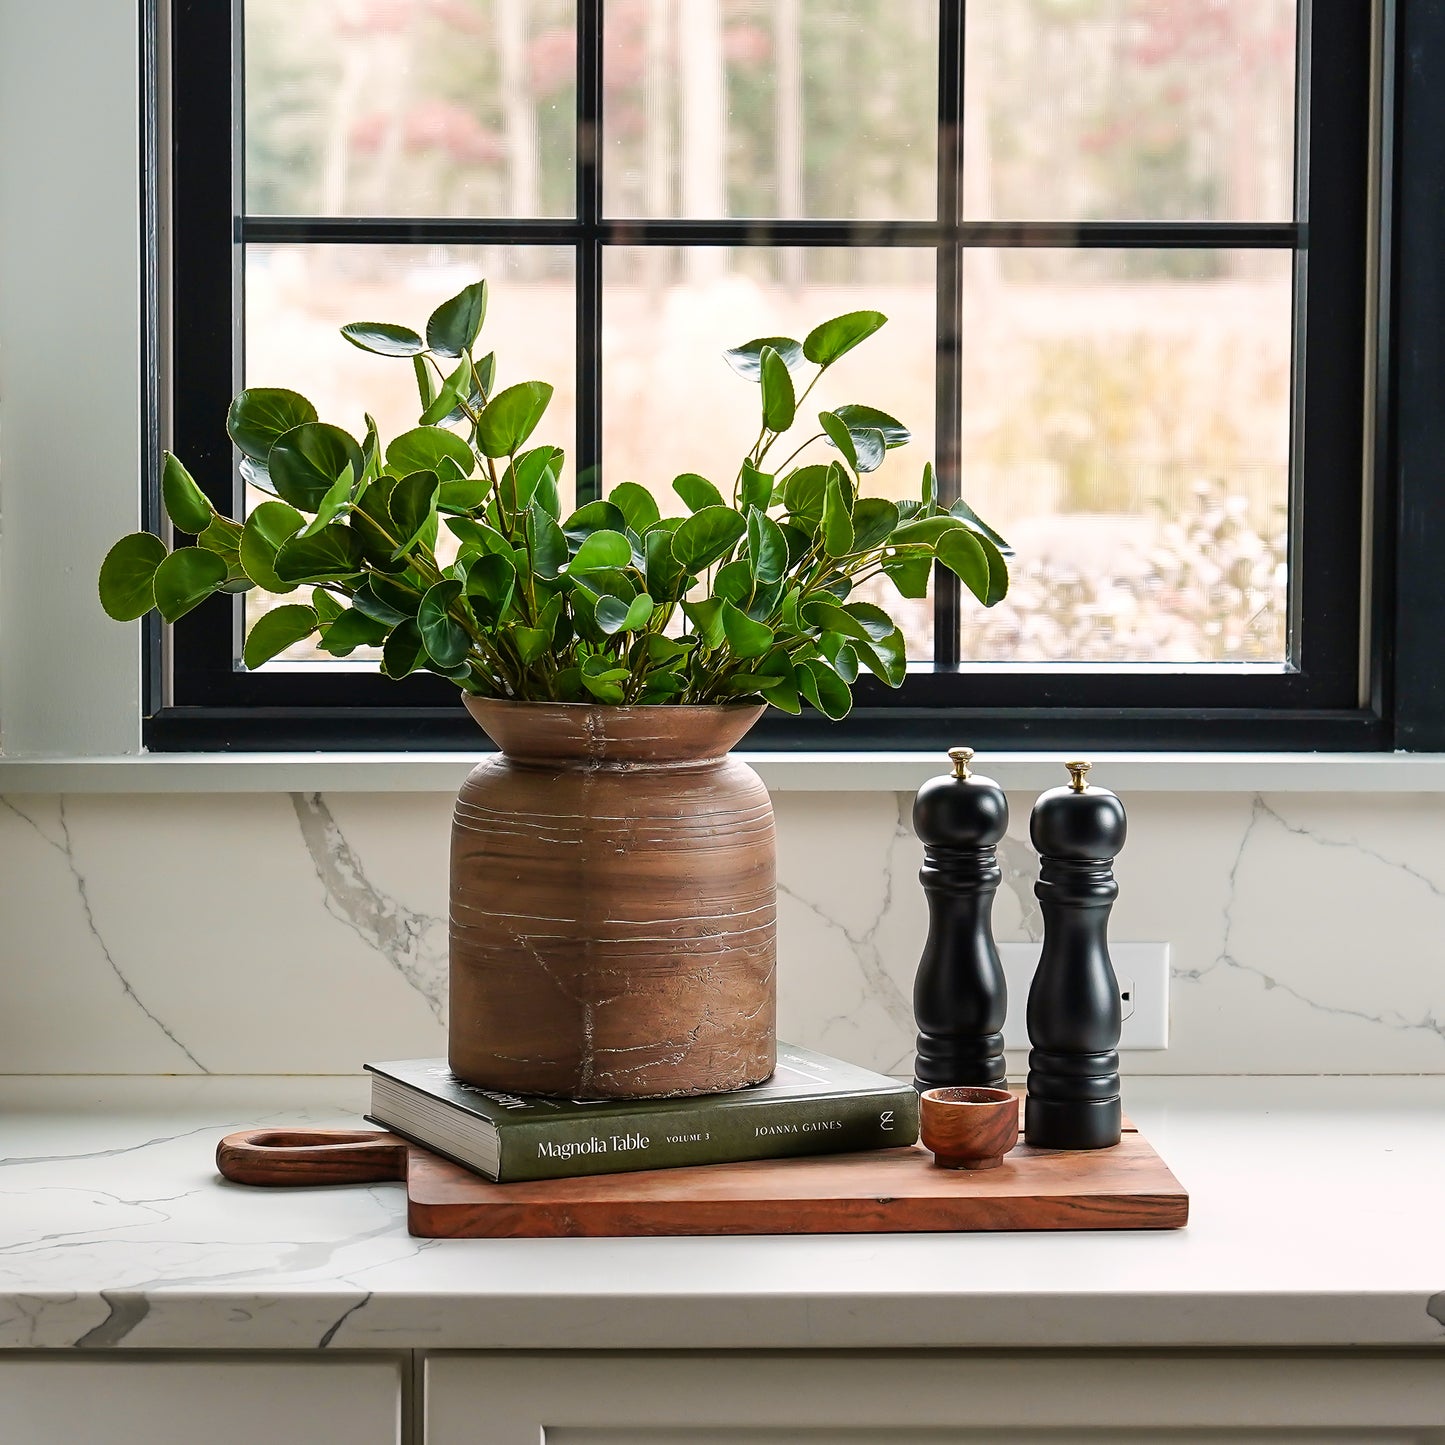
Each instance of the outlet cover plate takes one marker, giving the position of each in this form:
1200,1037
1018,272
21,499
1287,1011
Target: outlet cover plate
1143,973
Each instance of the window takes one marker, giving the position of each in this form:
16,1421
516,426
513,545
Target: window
1127,262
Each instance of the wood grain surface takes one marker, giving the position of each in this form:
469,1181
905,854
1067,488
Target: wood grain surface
884,1192
613,908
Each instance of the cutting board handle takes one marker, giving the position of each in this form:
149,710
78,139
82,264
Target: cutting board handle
311,1156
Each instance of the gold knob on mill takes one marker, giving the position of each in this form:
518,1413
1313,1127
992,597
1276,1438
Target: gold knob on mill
961,758
1079,775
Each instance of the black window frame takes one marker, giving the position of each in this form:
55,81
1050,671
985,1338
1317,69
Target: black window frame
1339,695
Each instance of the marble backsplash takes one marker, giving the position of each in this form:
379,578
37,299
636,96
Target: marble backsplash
305,933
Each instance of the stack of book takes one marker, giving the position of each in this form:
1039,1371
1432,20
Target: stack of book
813,1104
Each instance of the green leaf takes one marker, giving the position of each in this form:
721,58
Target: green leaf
780,402
442,407
404,651
511,417
697,492
445,639
426,388
453,326
412,509
520,483
868,444
423,448
995,550
185,579
734,581
803,494
637,505
390,592
837,522
381,338
594,517
549,543
275,631
476,536
840,655
706,537
756,489
925,531
262,414
531,642
271,524
824,689
127,576
826,343
910,569
706,619
327,608
492,581
840,437
961,551
223,537
330,555
929,489
306,461
614,615
767,548
666,576
747,360
336,501
461,497
186,504
350,630
783,695
875,519
858,418
601,549
380,608
746,637
965,513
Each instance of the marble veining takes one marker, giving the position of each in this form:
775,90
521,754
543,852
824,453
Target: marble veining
63,845
159,933
412,942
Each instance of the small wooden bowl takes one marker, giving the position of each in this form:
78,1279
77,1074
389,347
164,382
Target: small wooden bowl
968,1128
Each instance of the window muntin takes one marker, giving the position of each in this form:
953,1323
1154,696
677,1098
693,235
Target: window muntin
1322,641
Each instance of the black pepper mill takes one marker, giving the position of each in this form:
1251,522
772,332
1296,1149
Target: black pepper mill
1074,1015
959,995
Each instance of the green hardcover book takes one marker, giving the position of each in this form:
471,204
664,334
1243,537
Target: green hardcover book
813,1104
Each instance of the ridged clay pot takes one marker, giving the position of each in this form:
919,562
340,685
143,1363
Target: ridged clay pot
613,904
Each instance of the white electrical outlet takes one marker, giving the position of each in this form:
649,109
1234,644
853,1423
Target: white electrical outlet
1143,973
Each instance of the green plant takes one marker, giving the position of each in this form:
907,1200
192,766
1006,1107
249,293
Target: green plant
743,596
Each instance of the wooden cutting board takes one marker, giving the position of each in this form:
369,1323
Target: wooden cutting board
888,1191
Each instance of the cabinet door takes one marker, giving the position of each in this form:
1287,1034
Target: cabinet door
934,1398
130,1400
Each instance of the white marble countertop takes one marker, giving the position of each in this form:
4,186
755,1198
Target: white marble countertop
1316,1221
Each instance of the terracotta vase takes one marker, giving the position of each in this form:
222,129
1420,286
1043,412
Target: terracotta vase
613,905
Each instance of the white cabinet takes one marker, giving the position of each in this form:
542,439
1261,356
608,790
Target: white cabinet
937,1398
240,1400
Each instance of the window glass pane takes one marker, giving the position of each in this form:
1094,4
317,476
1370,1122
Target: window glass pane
297,298
399,108
793,108
1129,109
671,404
1126,426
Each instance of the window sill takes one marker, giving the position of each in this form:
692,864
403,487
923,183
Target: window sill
782,772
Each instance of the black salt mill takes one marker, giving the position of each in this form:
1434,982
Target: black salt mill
1074,1015
959,996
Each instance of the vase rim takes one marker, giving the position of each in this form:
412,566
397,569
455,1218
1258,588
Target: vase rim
608,734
